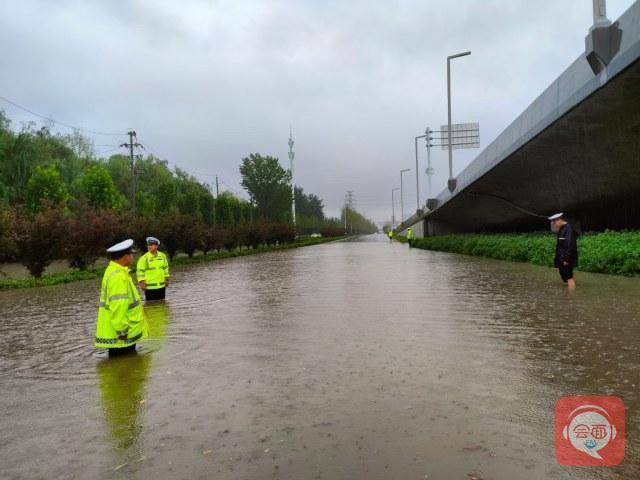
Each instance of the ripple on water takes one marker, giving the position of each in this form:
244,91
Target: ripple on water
379,345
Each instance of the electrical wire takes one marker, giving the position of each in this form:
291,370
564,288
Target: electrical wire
57,122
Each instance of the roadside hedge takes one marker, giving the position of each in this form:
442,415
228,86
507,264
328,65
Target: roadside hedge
610,252
91,273
82,235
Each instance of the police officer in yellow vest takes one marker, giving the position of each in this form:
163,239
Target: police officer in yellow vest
410,237
390,234
121,321
152,271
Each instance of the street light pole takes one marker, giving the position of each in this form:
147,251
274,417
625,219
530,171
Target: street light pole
402,194
393,207
452,182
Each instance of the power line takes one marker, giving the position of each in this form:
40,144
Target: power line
67,125
129,145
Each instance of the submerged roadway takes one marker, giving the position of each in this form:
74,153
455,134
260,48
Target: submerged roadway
358,359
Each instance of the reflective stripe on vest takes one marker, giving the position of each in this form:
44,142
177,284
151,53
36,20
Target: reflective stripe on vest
120,296
113,341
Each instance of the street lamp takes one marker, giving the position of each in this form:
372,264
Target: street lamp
451,182
405,170
393,207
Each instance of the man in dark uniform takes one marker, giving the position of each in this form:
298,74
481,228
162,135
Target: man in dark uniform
566,248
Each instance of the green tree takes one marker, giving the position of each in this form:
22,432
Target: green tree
357,223
45,185
308,205
119,168
231,210
22,153
268,186
97,186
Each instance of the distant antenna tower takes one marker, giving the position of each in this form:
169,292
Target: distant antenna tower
293,187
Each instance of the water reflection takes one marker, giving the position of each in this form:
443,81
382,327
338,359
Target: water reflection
122,382
157,314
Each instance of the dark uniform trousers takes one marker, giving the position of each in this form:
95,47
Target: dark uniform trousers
155,294
566,252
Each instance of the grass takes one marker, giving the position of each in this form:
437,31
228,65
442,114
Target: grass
77,275
616,253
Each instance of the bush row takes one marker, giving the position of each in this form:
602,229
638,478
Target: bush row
607,252
35,240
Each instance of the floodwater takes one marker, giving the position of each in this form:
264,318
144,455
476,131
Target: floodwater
349,360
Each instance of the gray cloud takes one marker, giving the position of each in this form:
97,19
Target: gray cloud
204,83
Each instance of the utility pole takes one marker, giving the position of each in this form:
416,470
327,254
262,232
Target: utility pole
217,188
393,207
293,187
404,170
429,172
345,214
348,207
131,145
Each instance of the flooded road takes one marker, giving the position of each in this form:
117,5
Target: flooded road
346,360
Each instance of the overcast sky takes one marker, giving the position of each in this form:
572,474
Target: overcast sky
204,83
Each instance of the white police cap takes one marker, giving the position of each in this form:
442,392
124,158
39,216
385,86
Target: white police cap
153,240
121,247
556,216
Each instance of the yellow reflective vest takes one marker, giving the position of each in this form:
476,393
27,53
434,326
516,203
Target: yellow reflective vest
409,234
153,269
120,310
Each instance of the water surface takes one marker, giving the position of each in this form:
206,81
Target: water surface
344,360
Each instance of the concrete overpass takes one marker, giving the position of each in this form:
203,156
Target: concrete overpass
575,149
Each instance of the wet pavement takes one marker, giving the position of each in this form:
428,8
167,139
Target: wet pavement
346,360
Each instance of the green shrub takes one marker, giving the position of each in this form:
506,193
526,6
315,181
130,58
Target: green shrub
607,252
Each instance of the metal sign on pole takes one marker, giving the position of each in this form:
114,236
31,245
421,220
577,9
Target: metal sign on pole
463,135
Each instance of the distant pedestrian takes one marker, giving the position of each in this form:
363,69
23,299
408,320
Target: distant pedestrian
410,237
566,258
390,234
153,271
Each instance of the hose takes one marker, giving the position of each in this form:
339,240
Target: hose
511,204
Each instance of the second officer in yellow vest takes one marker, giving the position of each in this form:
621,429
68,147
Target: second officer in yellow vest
153,271
410,237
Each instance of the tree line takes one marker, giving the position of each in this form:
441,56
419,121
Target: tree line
58,200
